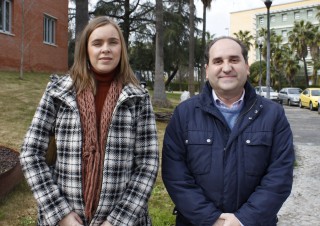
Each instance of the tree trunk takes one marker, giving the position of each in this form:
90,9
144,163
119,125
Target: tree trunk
305,71
159,95
22,42
82,15
191,49
203,43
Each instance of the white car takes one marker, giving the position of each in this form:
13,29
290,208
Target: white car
263,92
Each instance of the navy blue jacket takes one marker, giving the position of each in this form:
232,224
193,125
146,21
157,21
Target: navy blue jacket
209,169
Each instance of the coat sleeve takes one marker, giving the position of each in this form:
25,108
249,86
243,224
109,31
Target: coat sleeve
37,173
179,181
146,162
275,186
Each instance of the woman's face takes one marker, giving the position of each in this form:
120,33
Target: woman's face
104,49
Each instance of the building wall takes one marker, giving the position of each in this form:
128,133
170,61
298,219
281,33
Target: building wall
38,55
246,20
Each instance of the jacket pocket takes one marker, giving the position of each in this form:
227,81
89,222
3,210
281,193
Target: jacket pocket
257,147
199,146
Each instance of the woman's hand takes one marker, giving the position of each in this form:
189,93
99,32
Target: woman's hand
72,219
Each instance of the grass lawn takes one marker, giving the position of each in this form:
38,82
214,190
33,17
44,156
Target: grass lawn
18,101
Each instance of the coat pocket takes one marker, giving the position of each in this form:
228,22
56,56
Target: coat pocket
257,147
199,155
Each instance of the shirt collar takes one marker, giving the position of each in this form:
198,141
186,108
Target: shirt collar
220,103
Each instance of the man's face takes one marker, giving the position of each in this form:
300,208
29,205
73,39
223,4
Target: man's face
227,70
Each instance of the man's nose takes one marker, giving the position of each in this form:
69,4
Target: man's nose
226,67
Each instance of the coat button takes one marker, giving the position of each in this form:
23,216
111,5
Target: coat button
208,140
250,118
186,141
256,111
248,141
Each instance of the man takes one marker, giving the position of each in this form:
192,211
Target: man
228,153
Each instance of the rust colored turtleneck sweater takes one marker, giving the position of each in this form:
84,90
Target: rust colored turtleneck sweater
103,84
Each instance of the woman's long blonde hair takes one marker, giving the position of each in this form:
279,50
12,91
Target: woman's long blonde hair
80,71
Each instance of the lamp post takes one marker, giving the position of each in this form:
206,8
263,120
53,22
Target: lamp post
268,4
260,42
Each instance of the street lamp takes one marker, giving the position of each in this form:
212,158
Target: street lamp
260,42
268,4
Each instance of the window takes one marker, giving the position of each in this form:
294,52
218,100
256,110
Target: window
309,13
273,18
296,15
284,17
49,29
284,33
260,20
5,15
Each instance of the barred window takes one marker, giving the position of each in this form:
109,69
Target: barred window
284,17
5,15
310,13
49,29
261,20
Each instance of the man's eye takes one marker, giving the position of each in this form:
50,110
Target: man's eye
217,62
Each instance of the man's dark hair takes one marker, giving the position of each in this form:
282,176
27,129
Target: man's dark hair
244,49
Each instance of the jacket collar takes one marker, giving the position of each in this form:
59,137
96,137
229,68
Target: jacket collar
206,98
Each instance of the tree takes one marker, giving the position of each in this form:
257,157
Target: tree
314,45
159,96
82,15
245,37
27,34
132,16
299,38
191,48
206,5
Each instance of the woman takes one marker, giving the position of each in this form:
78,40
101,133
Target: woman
107,150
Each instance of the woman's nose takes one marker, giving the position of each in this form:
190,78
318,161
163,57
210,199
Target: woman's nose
106,49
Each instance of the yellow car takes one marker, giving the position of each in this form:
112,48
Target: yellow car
309,98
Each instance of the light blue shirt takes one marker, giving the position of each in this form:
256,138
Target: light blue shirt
229,113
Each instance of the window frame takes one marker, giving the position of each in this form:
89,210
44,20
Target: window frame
6,16
49,29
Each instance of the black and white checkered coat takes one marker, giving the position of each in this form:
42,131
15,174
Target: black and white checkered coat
130,165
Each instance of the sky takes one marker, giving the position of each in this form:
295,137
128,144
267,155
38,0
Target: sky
218,17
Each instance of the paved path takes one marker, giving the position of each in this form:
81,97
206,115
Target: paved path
302,208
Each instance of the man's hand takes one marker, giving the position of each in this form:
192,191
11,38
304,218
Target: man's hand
219,222
229,219
106,223
72,219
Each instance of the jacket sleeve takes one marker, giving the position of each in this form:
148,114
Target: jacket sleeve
146,162
180,183
36,171
275,186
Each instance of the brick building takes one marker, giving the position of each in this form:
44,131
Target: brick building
39,29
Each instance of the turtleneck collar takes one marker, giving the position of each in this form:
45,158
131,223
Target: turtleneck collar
103,77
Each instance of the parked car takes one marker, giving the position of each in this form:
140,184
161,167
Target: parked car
290,95
273,93
309,98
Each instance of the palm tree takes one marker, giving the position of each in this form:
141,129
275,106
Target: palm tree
299,38
245,37
318,13
291,69
315,52
206,5
159,97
